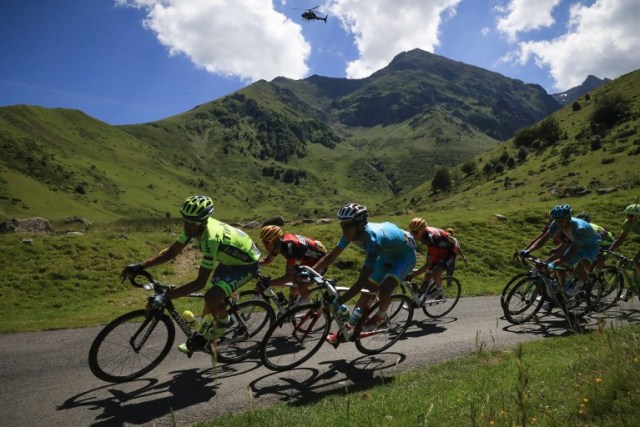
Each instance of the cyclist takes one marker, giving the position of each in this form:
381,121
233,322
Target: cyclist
581,252
457,250
606,237
630,225
298,250
390,255
237,258
440,250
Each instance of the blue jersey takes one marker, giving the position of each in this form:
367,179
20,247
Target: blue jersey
384,240
581,233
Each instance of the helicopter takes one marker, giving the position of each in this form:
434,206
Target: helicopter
311,14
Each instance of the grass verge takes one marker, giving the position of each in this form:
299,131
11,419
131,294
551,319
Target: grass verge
591,379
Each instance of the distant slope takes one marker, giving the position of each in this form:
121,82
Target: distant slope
595,160
569,96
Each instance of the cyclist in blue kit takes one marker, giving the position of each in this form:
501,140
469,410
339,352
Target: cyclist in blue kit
390,256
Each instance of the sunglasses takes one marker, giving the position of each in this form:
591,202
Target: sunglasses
347,225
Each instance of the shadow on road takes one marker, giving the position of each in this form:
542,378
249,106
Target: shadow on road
144,400
302,386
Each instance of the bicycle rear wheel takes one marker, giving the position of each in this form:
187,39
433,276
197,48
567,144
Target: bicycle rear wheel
608,289
131,345
294,337
399,316
523,301
451,290
242,340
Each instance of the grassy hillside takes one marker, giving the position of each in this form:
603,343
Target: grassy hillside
589,155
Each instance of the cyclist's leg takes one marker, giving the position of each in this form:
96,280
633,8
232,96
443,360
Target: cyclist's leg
389,273
224,281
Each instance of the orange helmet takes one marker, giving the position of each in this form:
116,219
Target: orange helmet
417,224
270,233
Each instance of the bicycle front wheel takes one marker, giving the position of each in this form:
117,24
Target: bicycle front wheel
523,301
295,336
242,340
399,316
609,287
438,307
131,345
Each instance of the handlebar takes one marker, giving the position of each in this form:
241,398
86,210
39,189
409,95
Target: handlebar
318,278
133,279
539,262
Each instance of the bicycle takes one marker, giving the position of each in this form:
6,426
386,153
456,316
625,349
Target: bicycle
527,295
300,332
136,342
623,277
437,307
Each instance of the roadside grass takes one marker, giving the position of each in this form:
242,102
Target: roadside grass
591,379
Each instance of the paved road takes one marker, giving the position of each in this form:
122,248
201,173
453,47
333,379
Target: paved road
45,380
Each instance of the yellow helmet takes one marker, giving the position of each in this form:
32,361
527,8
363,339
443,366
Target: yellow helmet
417,224
270,233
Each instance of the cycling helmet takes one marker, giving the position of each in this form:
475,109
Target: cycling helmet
632,209
196,208
584,216
560,211
270,233
353,212
417,225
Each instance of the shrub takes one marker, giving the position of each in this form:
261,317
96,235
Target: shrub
609,111
441,181
607,160
576,106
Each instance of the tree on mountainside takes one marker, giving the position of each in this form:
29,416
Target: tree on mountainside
609,111
441,181
469,168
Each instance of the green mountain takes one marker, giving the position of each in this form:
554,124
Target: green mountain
292,147
587,153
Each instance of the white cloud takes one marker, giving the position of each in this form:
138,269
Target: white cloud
602,39
526,15
233,38
384,28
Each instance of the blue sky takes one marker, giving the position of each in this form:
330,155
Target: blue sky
134,61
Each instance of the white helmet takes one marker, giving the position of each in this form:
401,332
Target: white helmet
353,212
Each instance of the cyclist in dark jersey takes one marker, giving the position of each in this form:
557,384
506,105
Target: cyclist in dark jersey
440,251
297,250
630,225
237,263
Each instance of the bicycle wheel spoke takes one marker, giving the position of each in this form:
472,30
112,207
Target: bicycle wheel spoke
295,337
114,358
399,316
242,340
523,301
438,307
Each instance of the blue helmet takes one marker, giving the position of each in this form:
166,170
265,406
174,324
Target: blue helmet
560,211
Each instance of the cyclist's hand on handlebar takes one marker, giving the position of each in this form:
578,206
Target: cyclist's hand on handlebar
130,271
523,252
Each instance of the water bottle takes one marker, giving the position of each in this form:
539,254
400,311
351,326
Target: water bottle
355,317
190,319
343,312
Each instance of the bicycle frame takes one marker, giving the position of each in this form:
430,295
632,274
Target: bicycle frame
622,266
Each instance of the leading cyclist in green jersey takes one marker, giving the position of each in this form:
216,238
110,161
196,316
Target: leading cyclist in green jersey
237,263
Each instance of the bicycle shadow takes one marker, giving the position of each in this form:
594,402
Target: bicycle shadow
302,386
550,325
146,400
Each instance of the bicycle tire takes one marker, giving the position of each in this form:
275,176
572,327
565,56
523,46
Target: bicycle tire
611,283
294,337
522,302
451,291
399,317
112,358
507,289
242,340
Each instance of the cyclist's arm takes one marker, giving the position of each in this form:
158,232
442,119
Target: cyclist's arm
619,241
568,254
268,259
363,280
422,269
289,276
328,259
164,255
539,242
194,286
